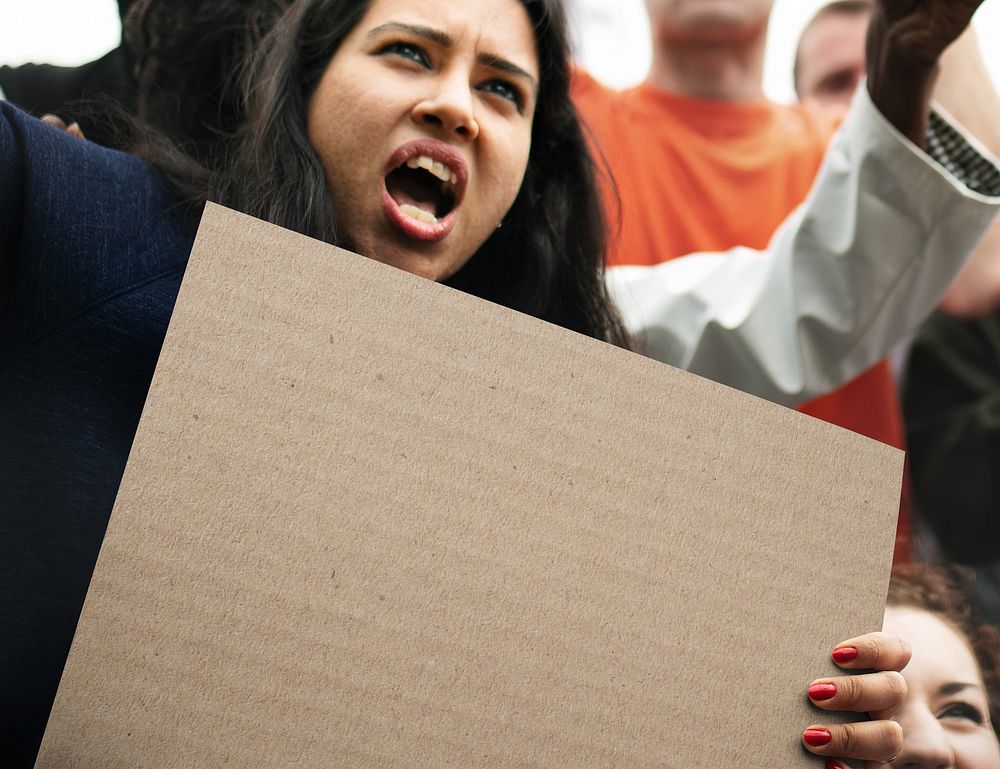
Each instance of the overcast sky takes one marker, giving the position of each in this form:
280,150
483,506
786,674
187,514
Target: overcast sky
614,36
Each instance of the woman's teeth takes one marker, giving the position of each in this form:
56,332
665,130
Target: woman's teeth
418,213
439,169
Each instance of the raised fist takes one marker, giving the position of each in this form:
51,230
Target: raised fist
905,41
918,31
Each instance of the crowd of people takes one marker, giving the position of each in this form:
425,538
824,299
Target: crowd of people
783,250
949,374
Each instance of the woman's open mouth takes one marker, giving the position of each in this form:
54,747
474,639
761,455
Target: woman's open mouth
423,188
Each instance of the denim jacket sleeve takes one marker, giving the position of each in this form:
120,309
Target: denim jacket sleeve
10,206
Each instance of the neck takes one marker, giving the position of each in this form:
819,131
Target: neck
723,70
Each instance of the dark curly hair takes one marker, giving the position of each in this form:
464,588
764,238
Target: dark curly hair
247,147
947,592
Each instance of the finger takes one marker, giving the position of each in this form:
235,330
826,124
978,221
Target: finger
55,121
864,740
75,130
874,651
882,692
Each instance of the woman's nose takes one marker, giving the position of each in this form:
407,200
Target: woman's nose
450,106
925,743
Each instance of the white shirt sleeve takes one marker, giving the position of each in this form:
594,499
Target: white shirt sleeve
853,271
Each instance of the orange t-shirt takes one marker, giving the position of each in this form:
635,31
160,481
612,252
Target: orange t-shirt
698,175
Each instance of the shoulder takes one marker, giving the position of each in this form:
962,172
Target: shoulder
611,115
584,86
806,125
29,84
75,184
81,223
592,98
44,153
40,88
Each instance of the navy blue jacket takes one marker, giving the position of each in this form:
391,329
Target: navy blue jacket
92,252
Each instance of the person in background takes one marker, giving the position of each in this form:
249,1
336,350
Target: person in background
951,382
951,400
829,64
95,100
68,93
703,161
830,55
951,716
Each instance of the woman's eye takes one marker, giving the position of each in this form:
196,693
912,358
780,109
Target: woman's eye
962,710
504,90
407,51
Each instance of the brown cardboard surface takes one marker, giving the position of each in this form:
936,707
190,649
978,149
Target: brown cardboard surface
369,521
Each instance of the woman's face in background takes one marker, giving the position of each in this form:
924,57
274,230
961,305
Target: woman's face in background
422,121
945,720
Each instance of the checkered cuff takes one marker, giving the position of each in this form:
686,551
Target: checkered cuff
959,158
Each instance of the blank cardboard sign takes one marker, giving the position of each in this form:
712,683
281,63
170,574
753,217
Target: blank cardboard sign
369,521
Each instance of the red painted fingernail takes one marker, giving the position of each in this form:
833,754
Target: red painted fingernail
845,654
831,764
817,738
821,692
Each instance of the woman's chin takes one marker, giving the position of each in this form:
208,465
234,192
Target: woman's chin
420,262
435,260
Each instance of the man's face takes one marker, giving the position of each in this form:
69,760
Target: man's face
718,19
831,60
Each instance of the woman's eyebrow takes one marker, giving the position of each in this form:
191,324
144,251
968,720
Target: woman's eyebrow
496,62
428,33
955,687
446,41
